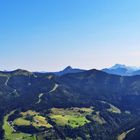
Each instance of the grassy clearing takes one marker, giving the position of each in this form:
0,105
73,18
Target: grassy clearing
124,134
72,111
35,120
74,117
41,121
29,112
28,118
6,126
73,121
11,134
21,121
112,108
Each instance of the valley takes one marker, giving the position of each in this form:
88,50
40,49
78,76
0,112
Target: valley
89,105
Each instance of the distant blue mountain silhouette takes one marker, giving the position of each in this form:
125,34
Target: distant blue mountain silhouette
67,70
119,69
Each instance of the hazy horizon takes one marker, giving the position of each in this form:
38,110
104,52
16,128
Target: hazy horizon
49,35
135,68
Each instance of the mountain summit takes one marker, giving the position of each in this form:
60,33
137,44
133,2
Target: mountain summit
67,70
118,66
120,69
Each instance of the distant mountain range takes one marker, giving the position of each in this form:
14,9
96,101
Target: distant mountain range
117,69
66,70
122,70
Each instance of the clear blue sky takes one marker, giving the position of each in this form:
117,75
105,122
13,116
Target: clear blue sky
48,35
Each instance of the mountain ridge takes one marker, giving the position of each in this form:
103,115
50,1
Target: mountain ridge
117,69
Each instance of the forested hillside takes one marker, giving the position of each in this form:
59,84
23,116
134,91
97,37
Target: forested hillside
86,105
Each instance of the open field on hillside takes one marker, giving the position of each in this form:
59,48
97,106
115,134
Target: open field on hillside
11,134
74,117
32,118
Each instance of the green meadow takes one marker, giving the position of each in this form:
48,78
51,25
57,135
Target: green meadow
11,134
73,117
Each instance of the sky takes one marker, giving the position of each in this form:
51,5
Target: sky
48,35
